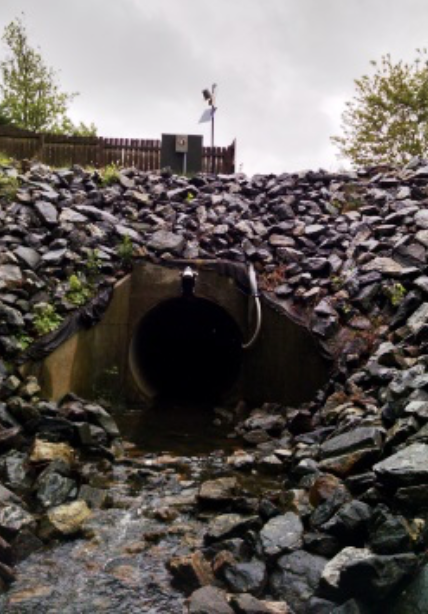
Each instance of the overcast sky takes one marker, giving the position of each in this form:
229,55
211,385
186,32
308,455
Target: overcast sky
284,68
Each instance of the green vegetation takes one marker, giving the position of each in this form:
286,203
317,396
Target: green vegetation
30,95
46,319
8,187
5,160
78,292
396,292
109,175
93,266
125,251
386,122
24,340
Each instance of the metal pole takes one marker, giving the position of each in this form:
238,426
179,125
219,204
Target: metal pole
212,141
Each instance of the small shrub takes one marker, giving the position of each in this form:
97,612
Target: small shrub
24,340
5,160
46,319
396,293
8,187
125,251
109,175
93,265
78,292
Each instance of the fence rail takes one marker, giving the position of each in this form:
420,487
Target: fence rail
61,150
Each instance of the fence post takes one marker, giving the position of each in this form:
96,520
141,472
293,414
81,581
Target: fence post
100,152
41,147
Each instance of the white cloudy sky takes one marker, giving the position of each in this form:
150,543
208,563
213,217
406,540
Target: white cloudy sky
284,67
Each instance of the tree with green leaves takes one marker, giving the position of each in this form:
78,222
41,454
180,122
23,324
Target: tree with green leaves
386,122
30,95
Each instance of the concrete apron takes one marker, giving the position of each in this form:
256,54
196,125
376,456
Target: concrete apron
283,366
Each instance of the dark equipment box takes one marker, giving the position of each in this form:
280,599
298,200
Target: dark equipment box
182,153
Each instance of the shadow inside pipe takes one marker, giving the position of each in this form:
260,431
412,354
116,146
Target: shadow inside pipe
188,350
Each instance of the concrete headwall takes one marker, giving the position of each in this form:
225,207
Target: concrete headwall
284,365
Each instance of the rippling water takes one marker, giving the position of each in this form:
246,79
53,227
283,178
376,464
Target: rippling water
120,565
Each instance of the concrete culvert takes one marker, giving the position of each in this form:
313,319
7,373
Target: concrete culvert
187,349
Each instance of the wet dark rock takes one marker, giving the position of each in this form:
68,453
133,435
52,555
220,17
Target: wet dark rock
321,543
209,600
6,574
352,606
53,488
5,552
247,604
165,241
390,534
47,212
191,572
281,534
217,493
296,577
24,544
350,522
414,599
248,577
14,518
360,438
375,577
226,526
407,467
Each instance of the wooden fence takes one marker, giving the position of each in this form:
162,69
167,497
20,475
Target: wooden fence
59,150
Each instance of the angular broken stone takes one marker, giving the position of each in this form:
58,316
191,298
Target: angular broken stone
46,451
69,518
165,241
357,439
386,266
47,212
296,577
332,572
226,526
282,534
209,600
10,276
14,518
28,256
407,467
217,492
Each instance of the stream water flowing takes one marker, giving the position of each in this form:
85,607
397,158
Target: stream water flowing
119,563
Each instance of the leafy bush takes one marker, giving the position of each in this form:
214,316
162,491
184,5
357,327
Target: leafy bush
396,292
78,292
109,175
8,187
125,251
46,319
93,265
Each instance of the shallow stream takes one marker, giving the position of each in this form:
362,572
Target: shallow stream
119,565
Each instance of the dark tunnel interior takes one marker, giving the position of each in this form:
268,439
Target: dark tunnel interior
188,350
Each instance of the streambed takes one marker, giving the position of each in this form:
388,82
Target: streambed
120,563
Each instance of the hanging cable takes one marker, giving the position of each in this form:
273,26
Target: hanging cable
255,294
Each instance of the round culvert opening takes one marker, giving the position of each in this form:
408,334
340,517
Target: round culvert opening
187,349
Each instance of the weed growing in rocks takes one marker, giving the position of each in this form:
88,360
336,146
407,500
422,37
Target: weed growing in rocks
396,293
78,292
125,251
46,318
8,186
24,340
109,175
93,265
